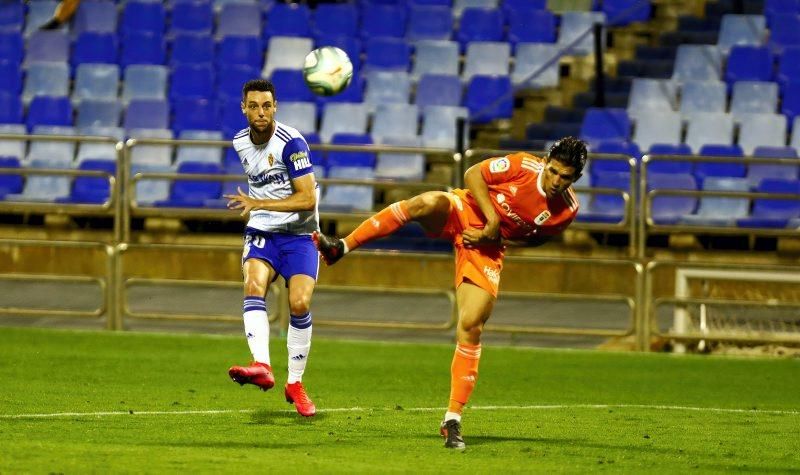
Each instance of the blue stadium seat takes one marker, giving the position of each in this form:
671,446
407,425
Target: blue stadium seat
231,118
12,16
195,114
709,128
336,19
649,96
487,59
383,20
97,16
10,184
401,165
10,108
773,213
790,105
10,77
480,24
439,126
773,8
703,96
92,47
351,159
199,153
788,66
438,90
96,81
151,155
39,13
91,189
143,16
535,66
719,169
191,48
395,121
290,85
387,54
145,81
605,165
767,130
46,79
286,53
516,7
573,26
758,172
55,152
300,115
754,97
671,166
192,17
719,210
349,44
605,125
436,57
12,148
332,123
784,32
142,48
606,208
749,63
288,19
149,191
147,114
192,81
625,12
47,46
348,197
239,19
193,193
429,23
738,30
697,63
232,78
43,188
12,48
520,31
387,87
658,127
666,209
98,113
48,110
232,165
240,50
489,98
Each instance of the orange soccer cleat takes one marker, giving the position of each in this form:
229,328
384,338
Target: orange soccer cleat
258,374
295,393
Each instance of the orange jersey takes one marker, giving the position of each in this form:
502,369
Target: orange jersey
516,192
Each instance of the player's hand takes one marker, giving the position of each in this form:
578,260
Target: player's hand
490,234
240,201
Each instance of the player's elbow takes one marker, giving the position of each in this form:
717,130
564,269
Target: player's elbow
309,201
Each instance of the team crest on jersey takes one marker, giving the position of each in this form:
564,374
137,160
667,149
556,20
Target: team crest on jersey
271,159
300,160
543,216
499,165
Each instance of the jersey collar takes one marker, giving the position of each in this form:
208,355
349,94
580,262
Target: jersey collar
539,183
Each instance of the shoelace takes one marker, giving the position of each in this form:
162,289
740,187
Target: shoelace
302,397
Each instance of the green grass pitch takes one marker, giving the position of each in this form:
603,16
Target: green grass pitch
163,403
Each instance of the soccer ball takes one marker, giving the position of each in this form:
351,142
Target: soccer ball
327,70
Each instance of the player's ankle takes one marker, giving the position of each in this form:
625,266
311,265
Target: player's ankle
452,415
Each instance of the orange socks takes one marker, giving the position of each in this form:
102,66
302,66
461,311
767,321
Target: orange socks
385,222
463,375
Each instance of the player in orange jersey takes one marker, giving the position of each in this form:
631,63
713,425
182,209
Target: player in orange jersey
518,199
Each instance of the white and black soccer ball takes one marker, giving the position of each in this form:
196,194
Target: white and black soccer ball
327,71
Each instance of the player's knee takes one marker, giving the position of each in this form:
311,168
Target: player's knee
424,204
299,304
473,327
254,287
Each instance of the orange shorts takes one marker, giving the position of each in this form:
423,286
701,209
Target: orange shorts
479,265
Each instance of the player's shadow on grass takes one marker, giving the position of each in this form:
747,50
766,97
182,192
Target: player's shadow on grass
288,416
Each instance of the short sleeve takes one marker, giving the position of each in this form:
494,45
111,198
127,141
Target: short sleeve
501,169
297,158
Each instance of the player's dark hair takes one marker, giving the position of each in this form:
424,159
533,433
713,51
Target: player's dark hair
570,151
261,85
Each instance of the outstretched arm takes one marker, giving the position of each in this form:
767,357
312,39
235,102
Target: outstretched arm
480,190
304,198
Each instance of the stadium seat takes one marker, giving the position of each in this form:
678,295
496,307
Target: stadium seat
289,86
753,97
774,8
697,63
10,184
39,13
195,114
790,104
142,48
489,98
191,48
43,188
199,153
300,115
401,166
47,46
92,47
703,96
480,24
738,30
518,6
350,45
288,19
383,21
231,118
286,53
575,25
395,121
12,148
335,19
669,209
650,96
520,31
598,166
148,191
97,16
387,87
719,169
99,150
767,130
195,17
773,213
749,63
48,110
231,79
351,159
151,155
429,23
10,108
625,12
49,151
487,59
192,81
91,189
333,123
387,54
144,81
98,113
784,32
459,6
757,172
658,127
536,66
601,125
606,208
147,114
239,51
439,126
438,90
46,79
239,19
143,17
709,128
348,197
788,66
96,81
669,166
720,210
193,193
436,57
12,48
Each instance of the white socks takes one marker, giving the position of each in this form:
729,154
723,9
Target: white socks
256,328
298,342
452,416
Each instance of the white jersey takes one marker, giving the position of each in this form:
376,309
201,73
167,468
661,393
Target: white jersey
270,169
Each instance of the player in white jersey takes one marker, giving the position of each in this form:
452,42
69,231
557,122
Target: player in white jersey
282,204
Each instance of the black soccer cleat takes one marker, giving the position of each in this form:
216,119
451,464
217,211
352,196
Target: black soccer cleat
451,431
330,248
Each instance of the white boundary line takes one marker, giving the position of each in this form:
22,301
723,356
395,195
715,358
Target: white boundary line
412,409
